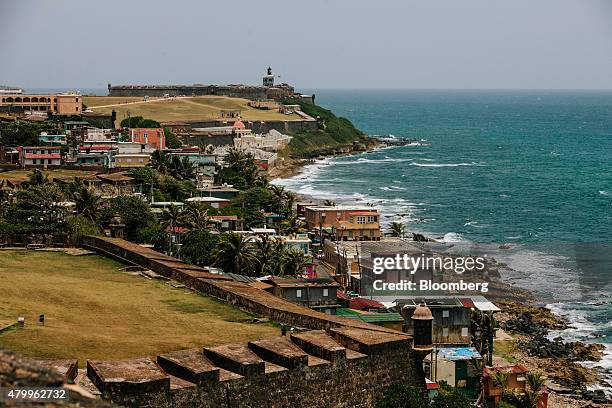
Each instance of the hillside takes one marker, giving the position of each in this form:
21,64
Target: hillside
180,108
333,131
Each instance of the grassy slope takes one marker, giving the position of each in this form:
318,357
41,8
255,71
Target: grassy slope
93,311
23,174
176,109
337,131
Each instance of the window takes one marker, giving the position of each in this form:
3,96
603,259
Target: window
77,108
298,293
445,313
372,218
361,220
325,292
445,331
464,332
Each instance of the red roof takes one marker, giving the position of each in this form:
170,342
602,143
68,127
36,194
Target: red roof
467,303
343,296
514,369
238,124
360,303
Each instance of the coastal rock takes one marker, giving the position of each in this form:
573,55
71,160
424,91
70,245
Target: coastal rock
421,238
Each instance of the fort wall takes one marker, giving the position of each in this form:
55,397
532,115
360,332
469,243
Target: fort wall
336,363
235,91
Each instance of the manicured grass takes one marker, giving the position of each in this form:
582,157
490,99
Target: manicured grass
95,311
23,174
176,109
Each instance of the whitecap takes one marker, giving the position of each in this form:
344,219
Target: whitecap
446,164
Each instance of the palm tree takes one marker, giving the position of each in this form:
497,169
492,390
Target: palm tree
195,216
292,225
87,203
160,161
37,177
397,229
294,261
264,253
535,381
329,203
235,159
278,192
235,253
172,218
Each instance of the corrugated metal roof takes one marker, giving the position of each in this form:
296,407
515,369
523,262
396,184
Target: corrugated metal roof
458,353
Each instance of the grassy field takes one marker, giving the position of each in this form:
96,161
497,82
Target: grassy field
94,311
176,109
23,174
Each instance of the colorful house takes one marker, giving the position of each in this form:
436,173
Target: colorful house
153,137
516,381
40,156
347,223
454,365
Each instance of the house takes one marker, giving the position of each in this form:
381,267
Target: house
516,381
96,155
452,324
131,154
352,223
225,223
153,137
454,365
91,135
263,231
214,202
317,294
224,191
387,319
274,220
47,156
271,141
52,140
66,104
301,242
115,184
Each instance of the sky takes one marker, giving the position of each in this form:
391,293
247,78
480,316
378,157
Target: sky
411,44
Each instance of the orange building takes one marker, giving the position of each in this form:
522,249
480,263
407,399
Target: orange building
154,137
57,104
347,223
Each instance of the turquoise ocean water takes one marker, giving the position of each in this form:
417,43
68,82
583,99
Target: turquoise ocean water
531,170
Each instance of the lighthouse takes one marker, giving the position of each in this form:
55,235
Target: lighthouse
268,79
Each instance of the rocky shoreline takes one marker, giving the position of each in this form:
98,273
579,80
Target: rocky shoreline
529,324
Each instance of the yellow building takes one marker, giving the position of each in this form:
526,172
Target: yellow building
57,104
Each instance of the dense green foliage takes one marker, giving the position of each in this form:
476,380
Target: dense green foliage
403,396
25,132
134,212
241,171
332,130
199,246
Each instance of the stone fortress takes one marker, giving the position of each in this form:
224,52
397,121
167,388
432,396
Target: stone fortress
267,91
328,362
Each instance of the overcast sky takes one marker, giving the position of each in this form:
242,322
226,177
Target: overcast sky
480,44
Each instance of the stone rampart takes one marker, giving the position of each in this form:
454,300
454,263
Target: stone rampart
338,363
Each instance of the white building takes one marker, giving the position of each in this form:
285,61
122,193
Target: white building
272,141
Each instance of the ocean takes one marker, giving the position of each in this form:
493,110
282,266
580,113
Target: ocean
531,170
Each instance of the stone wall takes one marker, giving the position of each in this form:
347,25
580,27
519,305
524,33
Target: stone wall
235,91
339,368
339,363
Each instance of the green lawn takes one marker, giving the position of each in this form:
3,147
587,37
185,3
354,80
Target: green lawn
95,311
176,109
